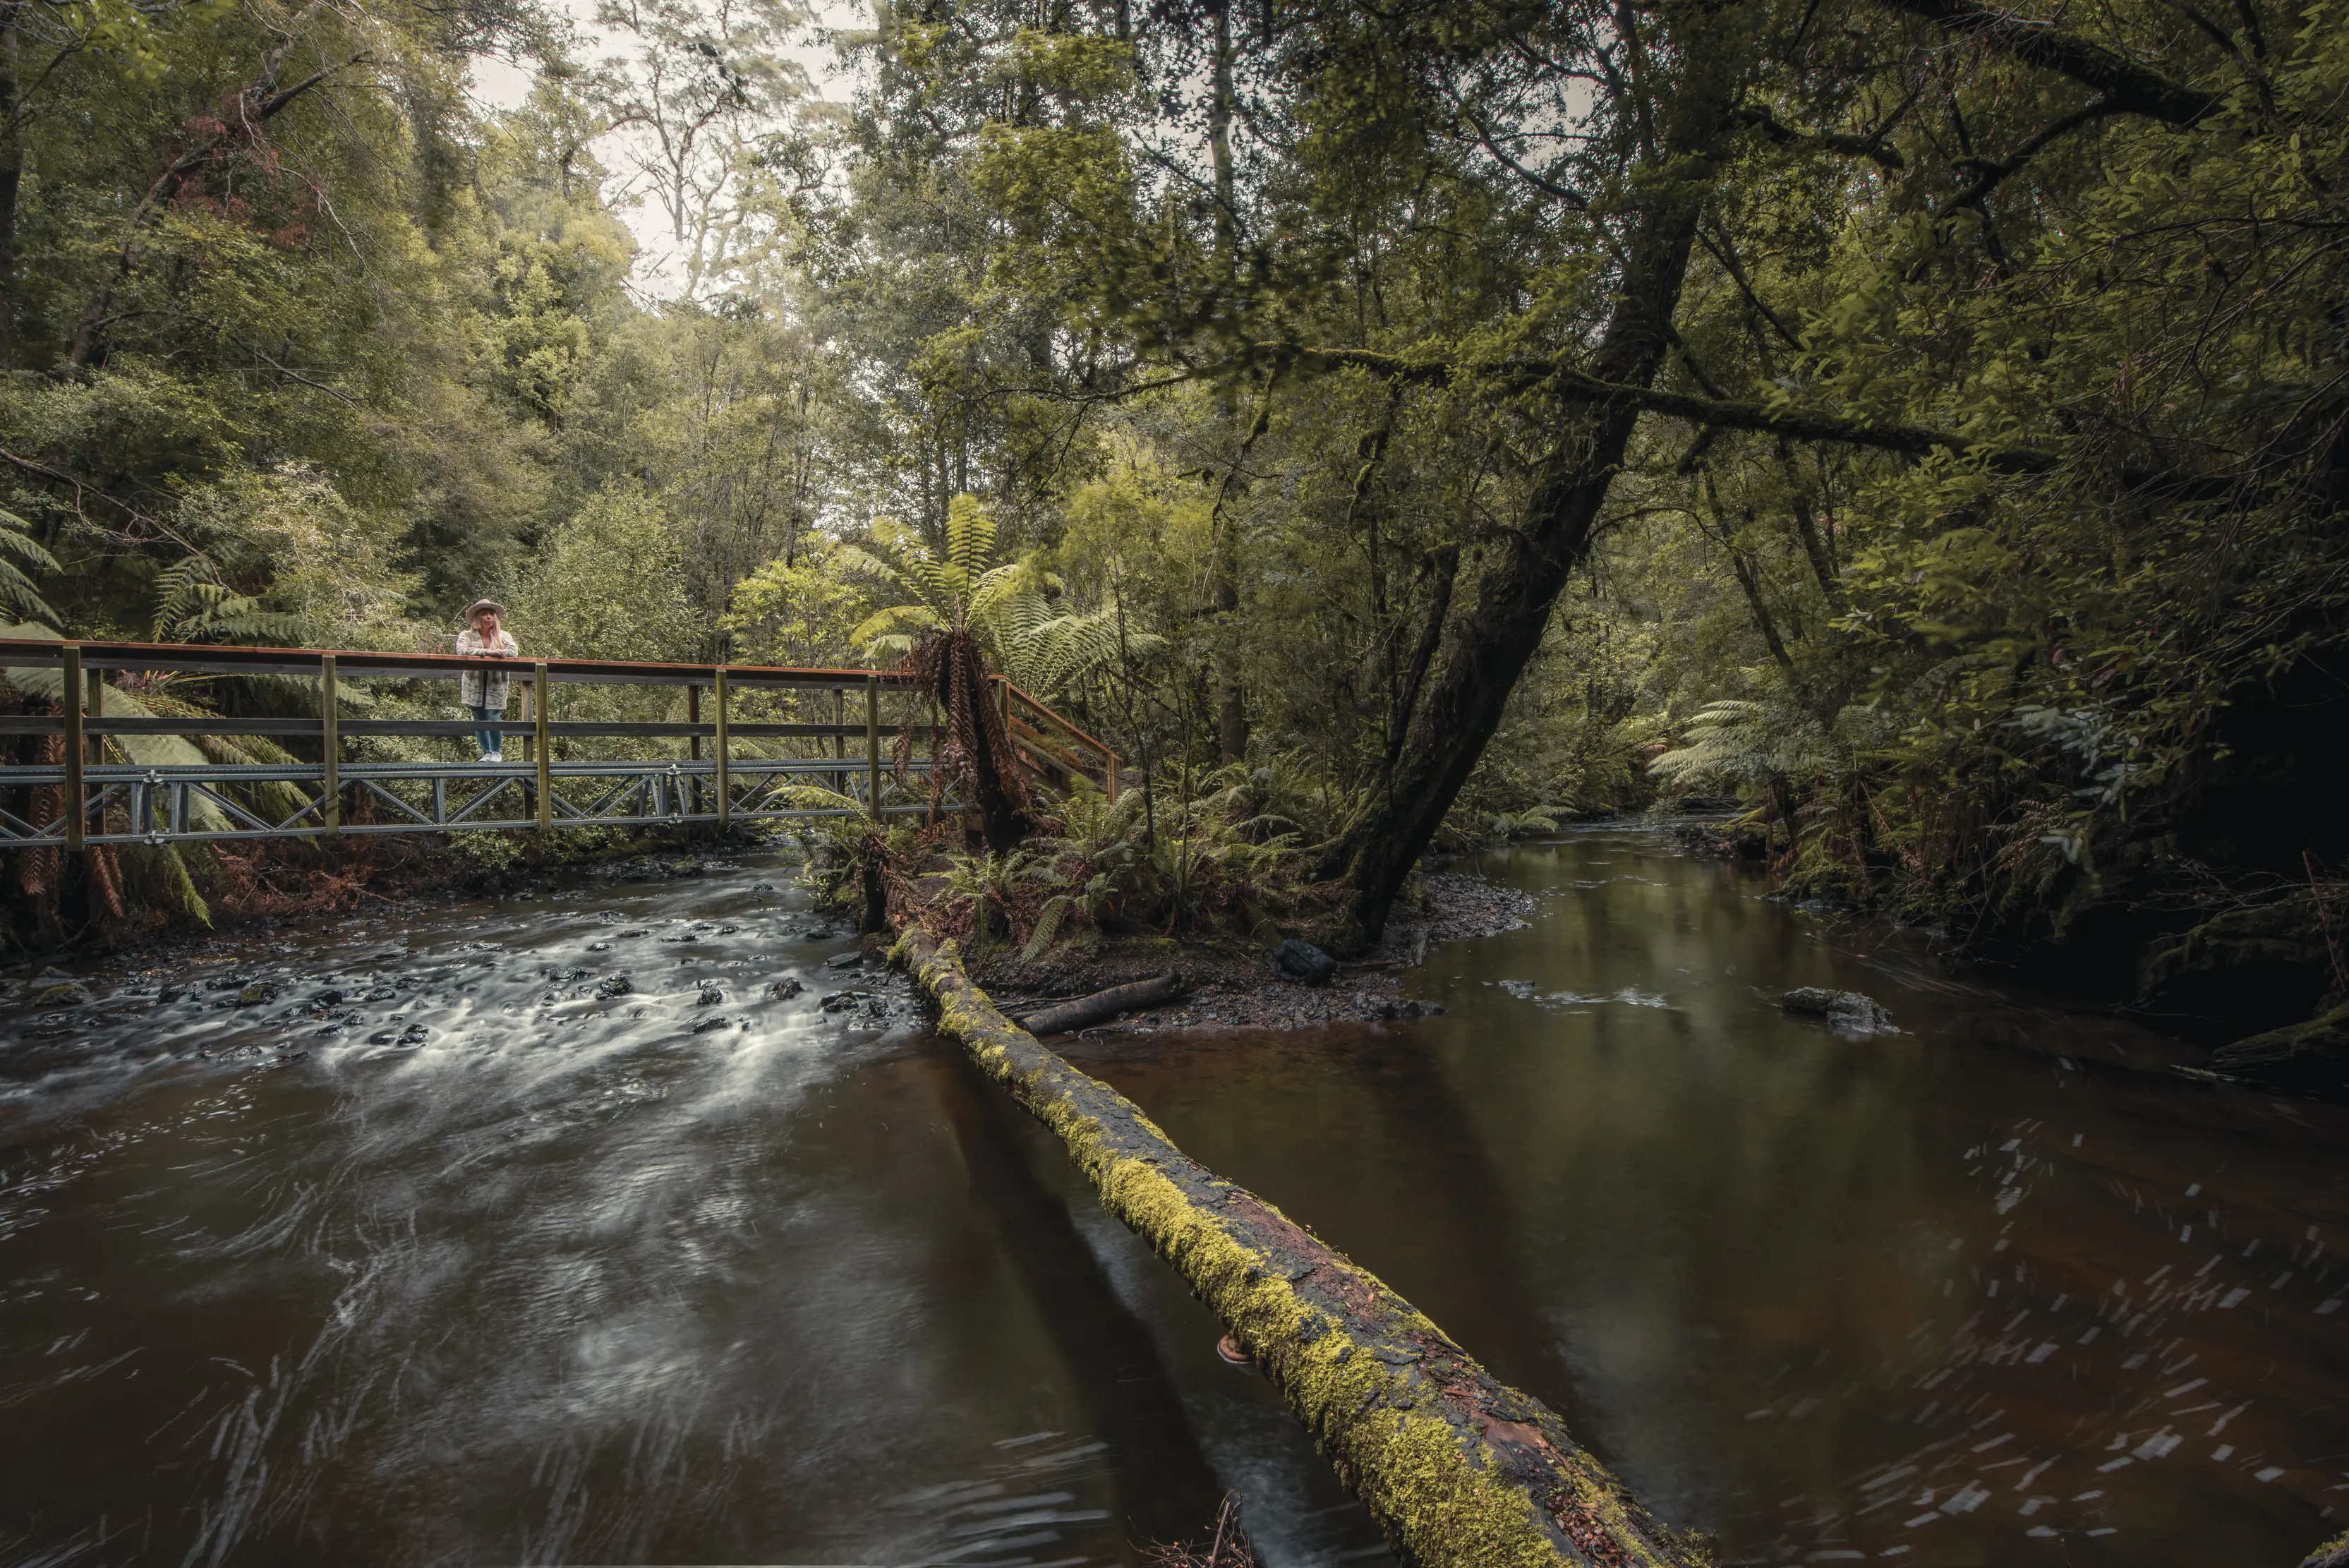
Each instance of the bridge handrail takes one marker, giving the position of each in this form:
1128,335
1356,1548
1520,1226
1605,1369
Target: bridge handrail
377,664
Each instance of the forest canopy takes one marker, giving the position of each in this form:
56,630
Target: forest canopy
1917,423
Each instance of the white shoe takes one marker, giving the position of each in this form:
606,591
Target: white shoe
493,756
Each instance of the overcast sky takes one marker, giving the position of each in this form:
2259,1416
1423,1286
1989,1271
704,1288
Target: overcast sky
498,85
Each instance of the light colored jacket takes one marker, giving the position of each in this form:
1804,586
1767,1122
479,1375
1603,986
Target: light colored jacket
485,688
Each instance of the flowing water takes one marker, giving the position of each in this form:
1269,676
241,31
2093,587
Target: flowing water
476,1265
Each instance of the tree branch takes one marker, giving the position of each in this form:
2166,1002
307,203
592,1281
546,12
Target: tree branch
1988,173
1875,148
2130,87
1572,386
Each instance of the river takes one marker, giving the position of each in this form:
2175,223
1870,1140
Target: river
475,1264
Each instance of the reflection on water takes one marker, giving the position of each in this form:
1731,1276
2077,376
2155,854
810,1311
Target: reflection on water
1969,1294
582,1278
697,1274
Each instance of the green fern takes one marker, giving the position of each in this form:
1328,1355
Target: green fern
17,590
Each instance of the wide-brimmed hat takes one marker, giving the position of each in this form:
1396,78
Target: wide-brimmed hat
478,606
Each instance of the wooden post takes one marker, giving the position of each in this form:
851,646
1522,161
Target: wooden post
872,747
725,807
693,743
538,707
330,748
1111,780
839,723
71,697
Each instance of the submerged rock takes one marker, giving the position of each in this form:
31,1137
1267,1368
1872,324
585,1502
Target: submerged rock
1390,1007
1304,962
72,993
1846,1010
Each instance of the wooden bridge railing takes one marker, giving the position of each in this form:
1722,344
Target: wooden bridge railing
740,777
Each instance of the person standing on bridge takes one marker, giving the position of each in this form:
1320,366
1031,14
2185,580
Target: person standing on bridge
484,690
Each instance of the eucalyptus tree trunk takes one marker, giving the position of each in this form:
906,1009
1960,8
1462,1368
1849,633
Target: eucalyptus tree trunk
1483,657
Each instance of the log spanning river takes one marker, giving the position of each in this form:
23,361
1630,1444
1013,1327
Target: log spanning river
479,1262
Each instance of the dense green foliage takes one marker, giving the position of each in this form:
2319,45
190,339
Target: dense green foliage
1924,426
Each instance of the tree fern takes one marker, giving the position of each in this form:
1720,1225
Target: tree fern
1739,742
17,590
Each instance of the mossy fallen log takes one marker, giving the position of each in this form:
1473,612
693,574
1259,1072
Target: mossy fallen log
2313,1055
1460,1470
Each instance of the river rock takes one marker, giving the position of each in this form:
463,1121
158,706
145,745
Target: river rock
72,993
719,1021
169,993
842,1001
1391,1008
786,988
613,985
259,991
844,960
1848,1010
1304,962
713,995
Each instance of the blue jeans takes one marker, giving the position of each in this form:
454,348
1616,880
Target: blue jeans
490,740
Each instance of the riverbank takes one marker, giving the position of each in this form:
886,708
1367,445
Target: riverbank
1232,985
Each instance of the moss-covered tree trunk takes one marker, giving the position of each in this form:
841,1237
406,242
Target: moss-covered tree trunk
1460,1471
1485,657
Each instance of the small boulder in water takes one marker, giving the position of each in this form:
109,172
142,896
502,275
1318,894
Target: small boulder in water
786,988
1846,1010
844,960
711,995
1304,962
72,993
259,991
613,985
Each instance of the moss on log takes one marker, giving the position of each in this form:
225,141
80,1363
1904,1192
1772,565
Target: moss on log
1458,1469
2311,1056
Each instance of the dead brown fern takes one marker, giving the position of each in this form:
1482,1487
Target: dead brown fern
974,756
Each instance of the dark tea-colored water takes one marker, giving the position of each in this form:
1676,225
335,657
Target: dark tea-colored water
567,1281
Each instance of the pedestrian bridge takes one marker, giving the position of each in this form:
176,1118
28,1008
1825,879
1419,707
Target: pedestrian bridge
121,742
